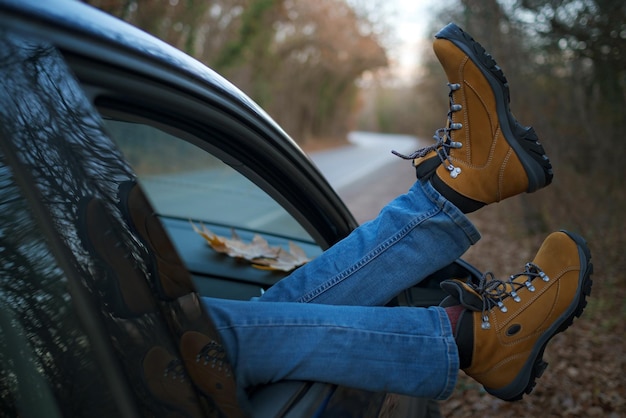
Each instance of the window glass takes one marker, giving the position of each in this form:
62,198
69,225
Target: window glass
185,181
81,332
47,365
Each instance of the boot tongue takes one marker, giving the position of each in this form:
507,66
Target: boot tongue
465,339
461,293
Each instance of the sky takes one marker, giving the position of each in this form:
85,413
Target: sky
411,21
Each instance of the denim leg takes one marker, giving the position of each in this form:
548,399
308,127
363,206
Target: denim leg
400,350
415,235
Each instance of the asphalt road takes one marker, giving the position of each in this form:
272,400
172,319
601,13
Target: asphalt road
366,174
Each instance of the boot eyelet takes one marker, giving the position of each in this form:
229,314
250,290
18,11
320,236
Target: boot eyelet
454,171
485,324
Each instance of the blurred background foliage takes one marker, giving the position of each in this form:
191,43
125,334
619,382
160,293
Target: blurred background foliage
322,68
299,60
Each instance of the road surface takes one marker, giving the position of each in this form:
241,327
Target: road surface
365,173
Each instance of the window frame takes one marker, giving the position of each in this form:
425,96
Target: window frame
243,139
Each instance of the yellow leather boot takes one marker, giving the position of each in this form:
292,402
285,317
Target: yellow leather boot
483,155
505,325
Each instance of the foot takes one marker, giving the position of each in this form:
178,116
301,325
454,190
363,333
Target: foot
506,324
172,279
209,369
483,155
166,380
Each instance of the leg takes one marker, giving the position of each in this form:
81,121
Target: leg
360,347
415,235
483,155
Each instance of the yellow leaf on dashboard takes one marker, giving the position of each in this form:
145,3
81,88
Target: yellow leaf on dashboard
258,251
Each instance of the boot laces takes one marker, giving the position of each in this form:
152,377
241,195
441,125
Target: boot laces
214,355
443,139
175,370
493,291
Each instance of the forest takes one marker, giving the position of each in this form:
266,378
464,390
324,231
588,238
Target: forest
321,69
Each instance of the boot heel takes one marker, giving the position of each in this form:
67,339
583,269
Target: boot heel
534,159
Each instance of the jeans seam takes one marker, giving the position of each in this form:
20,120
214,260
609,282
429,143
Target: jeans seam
369,257
452,356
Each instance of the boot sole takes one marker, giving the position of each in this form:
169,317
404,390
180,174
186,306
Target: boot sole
535,365
523,140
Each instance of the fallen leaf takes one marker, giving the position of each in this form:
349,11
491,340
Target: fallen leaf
258,251
285,261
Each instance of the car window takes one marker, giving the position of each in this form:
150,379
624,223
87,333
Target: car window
47,362
184,181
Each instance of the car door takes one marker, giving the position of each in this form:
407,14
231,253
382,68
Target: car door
69,345
63,175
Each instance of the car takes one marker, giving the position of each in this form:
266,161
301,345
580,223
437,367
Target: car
90,108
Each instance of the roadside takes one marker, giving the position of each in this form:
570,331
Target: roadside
365,154
364,172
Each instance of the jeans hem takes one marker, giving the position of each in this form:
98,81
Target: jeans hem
454,213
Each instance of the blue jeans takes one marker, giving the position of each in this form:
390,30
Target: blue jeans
342,334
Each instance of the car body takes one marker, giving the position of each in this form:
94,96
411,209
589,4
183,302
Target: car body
87,103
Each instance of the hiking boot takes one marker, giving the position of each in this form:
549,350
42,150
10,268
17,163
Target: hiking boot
506,324
166,380
484,154
172,279
210,370
125,290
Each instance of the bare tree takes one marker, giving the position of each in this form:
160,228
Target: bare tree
321,51
589,38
